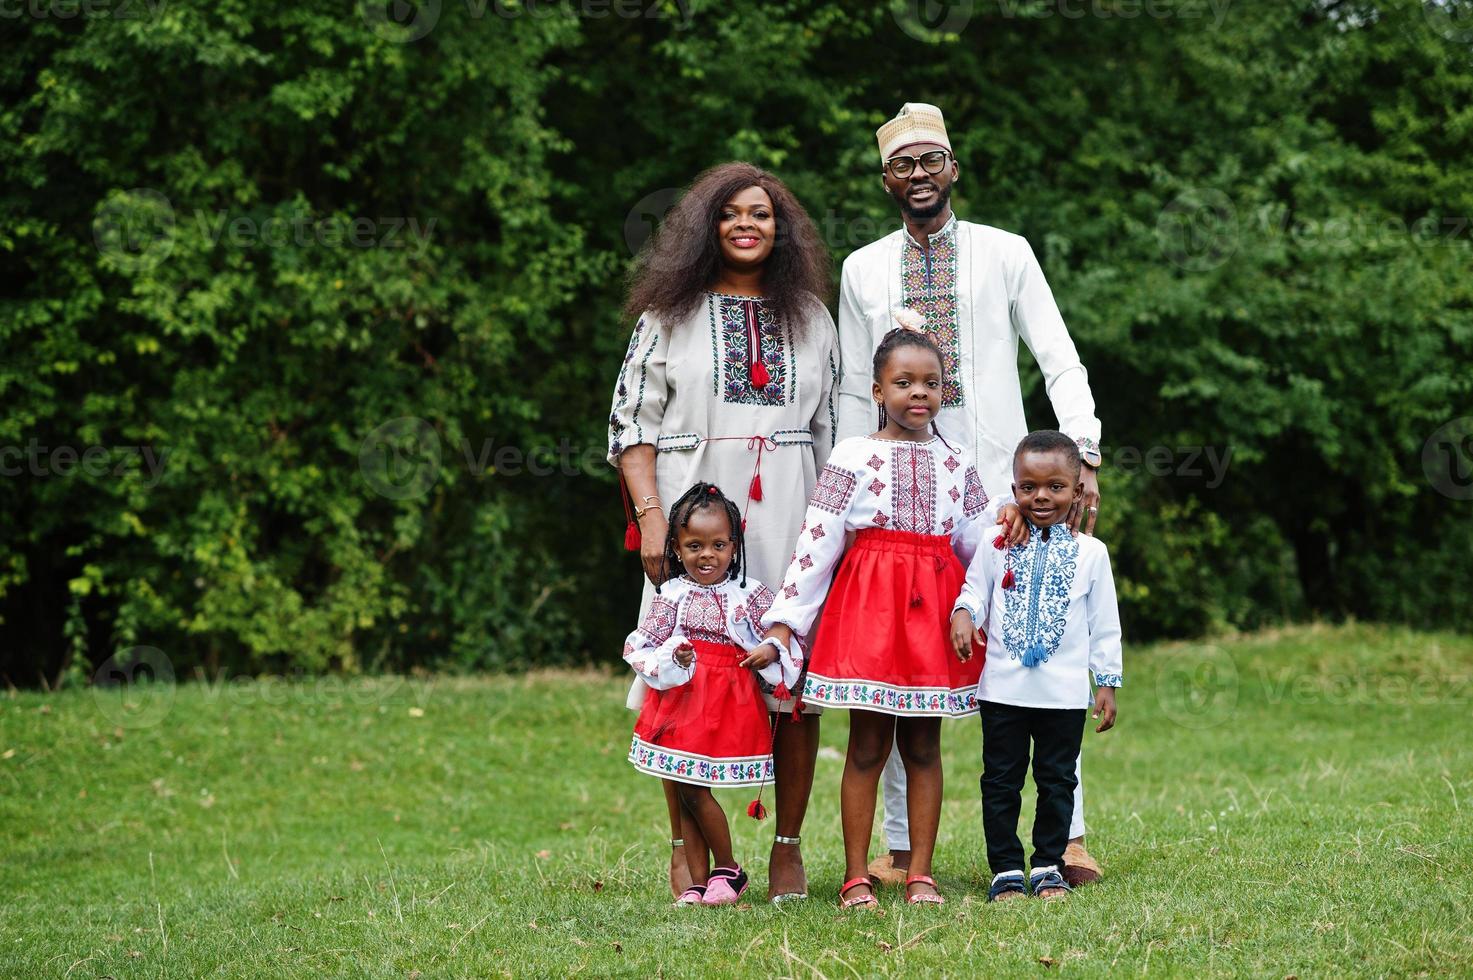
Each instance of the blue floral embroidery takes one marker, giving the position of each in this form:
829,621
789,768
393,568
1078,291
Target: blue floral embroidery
1109,680
1036,610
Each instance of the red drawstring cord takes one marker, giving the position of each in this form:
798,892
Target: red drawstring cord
754,489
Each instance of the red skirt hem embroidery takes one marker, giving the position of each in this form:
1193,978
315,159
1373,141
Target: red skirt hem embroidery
884,641
713,730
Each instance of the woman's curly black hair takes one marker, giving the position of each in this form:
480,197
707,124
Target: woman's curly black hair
699,497
683,258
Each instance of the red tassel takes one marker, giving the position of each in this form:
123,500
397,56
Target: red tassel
631,537
782,693
798,710
760,377
1007,579
1000,542
756,491
756,810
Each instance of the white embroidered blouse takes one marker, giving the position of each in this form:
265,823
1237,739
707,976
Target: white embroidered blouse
981,291
685,610
922,487
1061,606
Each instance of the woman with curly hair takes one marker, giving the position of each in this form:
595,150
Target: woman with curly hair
731,378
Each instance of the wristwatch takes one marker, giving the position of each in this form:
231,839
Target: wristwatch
1089,452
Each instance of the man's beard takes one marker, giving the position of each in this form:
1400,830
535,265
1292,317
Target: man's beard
943,198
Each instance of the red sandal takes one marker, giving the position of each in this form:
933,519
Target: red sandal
863,900
922,899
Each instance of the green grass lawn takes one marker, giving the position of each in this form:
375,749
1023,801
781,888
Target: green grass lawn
1289,803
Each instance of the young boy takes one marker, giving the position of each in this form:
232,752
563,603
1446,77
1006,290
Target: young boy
1048,609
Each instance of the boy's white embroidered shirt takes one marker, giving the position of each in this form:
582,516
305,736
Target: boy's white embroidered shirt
722,613
920,487
1062,605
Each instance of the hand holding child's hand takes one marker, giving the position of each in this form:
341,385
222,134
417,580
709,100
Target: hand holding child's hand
685,655
1015,527
760,657
963,634
1105,702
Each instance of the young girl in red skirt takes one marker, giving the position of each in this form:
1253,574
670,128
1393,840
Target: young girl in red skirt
883,647
704,723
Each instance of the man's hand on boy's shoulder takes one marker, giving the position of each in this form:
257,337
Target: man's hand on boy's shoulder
1105,705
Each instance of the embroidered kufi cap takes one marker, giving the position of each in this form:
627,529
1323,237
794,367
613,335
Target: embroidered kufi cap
916,122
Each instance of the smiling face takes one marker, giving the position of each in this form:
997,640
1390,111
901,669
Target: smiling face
922,196
909,388
1045,485
747,227
705,545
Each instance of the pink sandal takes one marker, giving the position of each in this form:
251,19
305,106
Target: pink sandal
725,886
691,896
863,900
922,899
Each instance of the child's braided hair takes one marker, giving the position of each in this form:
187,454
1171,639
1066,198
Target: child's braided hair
699,497
903,337
906,337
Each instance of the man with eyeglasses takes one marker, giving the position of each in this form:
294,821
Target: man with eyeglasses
980,290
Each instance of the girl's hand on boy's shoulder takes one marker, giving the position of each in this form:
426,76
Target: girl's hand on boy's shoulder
1011,518
1105,705
963,634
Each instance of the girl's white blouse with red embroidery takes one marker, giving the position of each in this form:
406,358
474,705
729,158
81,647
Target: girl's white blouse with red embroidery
685,610
920,487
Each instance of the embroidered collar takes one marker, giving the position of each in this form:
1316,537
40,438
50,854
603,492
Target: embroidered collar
901,442
713,587
750,299
948,230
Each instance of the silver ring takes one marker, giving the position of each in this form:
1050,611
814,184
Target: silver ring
1094,510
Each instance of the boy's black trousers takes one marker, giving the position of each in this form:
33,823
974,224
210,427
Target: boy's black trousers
1056,734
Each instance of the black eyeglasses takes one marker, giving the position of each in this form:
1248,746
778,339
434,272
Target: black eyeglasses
932,163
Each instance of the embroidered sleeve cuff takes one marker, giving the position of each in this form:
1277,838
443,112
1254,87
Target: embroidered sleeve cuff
1108,680
963,604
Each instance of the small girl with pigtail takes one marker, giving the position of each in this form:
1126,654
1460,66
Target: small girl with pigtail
703,723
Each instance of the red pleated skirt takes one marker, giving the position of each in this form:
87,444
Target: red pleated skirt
713,730
884,641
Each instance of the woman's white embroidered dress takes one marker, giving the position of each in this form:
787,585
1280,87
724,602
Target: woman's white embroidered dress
687,390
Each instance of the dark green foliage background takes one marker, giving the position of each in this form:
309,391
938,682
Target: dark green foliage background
1304,320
